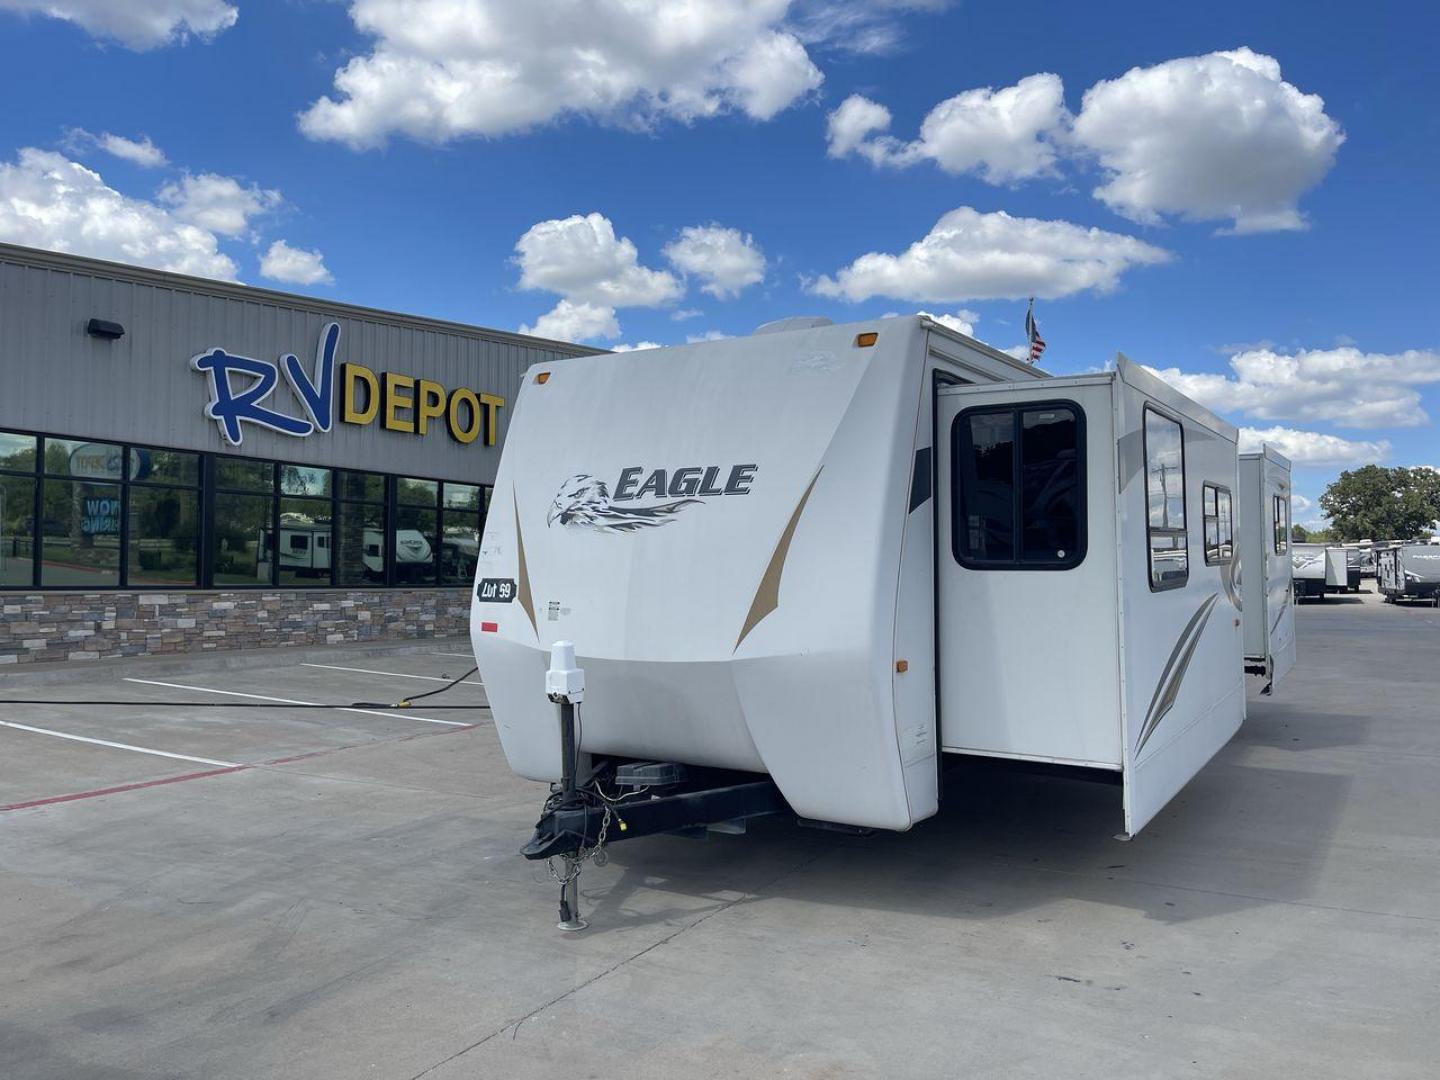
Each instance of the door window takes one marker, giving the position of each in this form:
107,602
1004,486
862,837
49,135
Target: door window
1165,498
1019,499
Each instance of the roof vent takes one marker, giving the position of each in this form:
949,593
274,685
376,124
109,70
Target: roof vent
795,322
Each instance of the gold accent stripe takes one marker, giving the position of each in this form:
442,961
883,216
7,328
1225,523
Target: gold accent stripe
522,586
767,595
1169,687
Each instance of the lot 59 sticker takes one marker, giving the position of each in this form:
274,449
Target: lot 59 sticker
496,590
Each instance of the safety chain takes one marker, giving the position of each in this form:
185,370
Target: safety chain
575,863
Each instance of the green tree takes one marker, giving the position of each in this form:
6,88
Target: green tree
1299,535
1377,503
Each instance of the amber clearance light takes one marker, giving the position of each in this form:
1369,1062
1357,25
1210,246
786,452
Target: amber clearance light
543,378
865,340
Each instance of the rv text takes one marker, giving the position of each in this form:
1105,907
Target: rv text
691,480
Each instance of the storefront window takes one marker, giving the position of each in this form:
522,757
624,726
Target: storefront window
461,525
80,533
360,544
239,539
300,480
238,474
164,466
17,452
416,536
305,536
81,514
164,537
84,460
17,535
360,486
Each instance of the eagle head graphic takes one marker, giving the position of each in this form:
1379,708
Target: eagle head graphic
583,502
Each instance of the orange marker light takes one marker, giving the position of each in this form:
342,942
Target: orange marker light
865,340
902,666
543,378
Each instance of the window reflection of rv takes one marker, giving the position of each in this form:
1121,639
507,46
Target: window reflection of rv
305,549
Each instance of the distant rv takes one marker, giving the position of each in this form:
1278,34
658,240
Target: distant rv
1409,572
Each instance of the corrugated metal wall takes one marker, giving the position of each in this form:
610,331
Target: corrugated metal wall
55,378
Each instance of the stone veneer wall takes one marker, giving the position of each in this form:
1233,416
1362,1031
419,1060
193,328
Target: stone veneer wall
59,626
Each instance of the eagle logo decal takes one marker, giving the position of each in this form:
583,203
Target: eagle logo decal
583,502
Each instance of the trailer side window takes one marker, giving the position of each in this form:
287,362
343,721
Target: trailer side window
1219,525
1165,497
1019,473
1282,524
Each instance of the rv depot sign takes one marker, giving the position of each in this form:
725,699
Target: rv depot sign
240,386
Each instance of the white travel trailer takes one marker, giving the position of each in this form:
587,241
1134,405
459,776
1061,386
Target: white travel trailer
832,555
1318,570
1409,572
1265,567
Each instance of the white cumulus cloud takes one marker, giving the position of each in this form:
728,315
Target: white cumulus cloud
295,266
1314,447
581,258
1344,386
221,204
445,69
48,201
637,347
970,255
136,24
1001,135
726,260
1208,138
572,320
139,151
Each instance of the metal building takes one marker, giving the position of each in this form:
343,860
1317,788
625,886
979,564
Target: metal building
190,464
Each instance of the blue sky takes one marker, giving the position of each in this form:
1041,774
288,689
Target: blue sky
1244,198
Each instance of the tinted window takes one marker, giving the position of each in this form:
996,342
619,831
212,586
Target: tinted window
360,544
1020,502
1281,523
237,474
17,537
240,540
1165,499
164,466
86,460
17,452
360,487
414,492
1219,525
300,480
80,534
164,536
304,551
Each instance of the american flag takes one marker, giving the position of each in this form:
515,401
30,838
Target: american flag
1032,331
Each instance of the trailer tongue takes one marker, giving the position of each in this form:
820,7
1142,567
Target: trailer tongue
580,817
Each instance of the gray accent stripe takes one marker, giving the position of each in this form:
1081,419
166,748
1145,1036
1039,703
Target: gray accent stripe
1168,689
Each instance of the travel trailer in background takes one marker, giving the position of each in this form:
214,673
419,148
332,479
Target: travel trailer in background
1409,572
801,569
304,549
1267,585
1318,570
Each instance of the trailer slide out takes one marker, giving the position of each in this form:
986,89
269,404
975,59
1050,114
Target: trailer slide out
825,556
1266,573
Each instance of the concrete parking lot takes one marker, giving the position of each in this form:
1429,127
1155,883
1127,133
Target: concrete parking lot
279,892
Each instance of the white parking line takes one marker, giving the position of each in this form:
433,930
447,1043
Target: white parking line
121,745
393,674
398,714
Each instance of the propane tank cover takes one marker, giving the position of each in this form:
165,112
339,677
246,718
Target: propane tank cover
564,682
